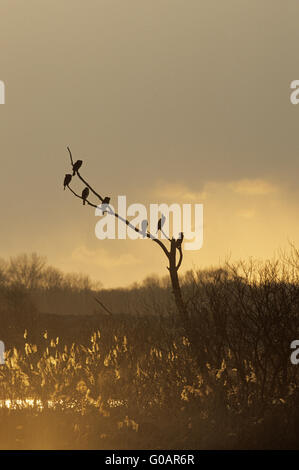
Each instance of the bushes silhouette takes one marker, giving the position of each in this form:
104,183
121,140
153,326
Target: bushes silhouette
141,381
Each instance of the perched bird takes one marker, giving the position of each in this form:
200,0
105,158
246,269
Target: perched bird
144,225
180,240
67,180
161,222
105,203
76,166
85,194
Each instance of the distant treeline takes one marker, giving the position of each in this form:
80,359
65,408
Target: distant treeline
29,284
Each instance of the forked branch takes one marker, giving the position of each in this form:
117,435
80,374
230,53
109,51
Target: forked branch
175,245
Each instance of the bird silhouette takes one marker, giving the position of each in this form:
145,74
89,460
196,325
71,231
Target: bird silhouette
161,222
67,180
180,240
85,194
144,225
76,166
105,203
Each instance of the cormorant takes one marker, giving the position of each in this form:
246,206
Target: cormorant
67,180
105,203
180,240
76,166
85,194
144,225
161,222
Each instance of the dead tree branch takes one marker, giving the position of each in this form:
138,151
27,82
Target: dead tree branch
175,245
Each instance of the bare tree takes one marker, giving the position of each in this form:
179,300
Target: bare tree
174,253
26,270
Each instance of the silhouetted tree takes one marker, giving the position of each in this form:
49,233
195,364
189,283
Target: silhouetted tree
174,253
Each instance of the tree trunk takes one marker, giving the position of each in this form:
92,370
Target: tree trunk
176,288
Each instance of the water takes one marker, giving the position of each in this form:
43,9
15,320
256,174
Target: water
18,403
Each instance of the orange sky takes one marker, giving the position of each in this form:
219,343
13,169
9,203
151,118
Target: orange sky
165,101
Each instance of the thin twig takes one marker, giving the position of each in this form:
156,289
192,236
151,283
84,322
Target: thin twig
80,197
90,187
82,179
102,305
148,234
71,157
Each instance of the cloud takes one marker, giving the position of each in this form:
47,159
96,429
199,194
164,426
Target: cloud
240,220
177,192
103,258
254,187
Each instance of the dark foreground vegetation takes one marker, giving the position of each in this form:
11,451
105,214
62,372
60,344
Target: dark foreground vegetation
137,378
